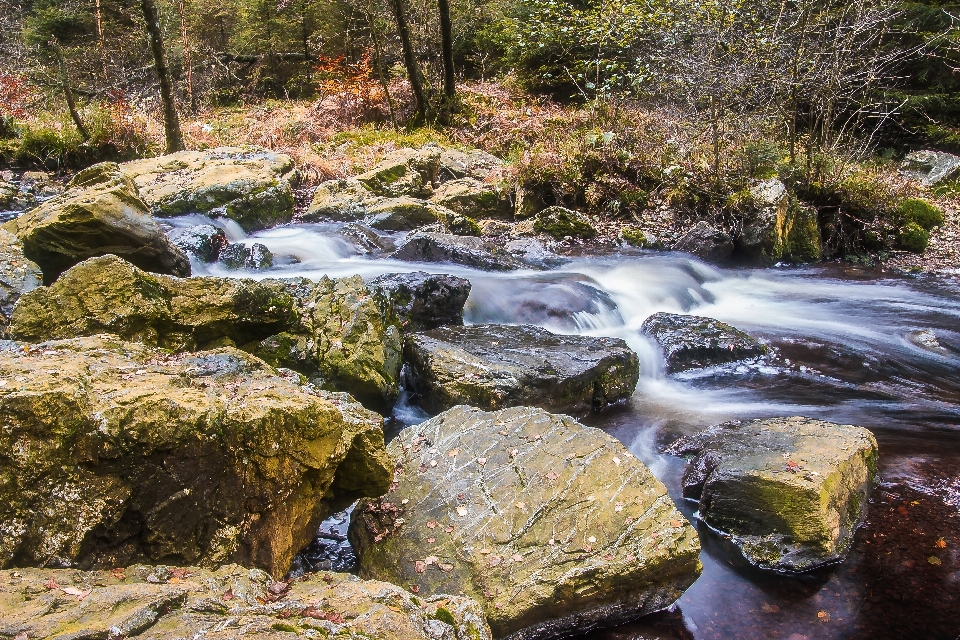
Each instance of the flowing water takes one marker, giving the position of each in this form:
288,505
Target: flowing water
849,346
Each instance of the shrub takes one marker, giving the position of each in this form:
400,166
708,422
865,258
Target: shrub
914,238
920,212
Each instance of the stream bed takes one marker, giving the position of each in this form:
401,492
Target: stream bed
848,345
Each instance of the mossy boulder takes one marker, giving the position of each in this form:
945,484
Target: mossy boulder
252,186
495,366
778,228
473,198
423,301
403,214
99,213
553,527
342,200
118,453
18,274
693,342
352,341
404,172
920,212
559,223
789,492
473,163
913,237
232,602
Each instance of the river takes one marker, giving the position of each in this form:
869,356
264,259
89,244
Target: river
847,345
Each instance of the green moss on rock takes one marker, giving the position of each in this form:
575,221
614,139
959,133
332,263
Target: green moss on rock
560,223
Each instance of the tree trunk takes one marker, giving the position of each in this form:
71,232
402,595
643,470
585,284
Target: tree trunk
410,62
446,36
101,45
379,63
67,91
171,121
186,55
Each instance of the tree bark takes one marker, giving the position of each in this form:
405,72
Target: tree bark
67,91
410,62
171,121
186,55
446,37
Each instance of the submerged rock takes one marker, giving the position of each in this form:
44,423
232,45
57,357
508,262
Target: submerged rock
333,331
473,198
232,602
790,492
249,185
706,242
204,241
18,275
466,250
240,256
423,301
554,527
495,366
99,213
121,453
693,342
404,172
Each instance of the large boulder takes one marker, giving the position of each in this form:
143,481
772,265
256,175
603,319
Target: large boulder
404,172
693,342
99,213
117,453
789,492
342,200
230,603
249,185
403,214
495,366
333,331
553,527
240,256
18,274
706,242
423,301
930,167
476,164
778,228
473,198
469,251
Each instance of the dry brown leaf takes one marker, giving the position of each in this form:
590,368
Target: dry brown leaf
676,523
431,524
228,595
431,540
824,615
420,566
453,453
941,543
461,511
481,461
517,557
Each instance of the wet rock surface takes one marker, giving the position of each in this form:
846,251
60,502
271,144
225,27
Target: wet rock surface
423,301
330,550
778,228
204,241
366,239
249,185
706,242
333,331
693,342
18,275
553,527
99,213
119,453
496,366
240,256
231,602
466,250
789,492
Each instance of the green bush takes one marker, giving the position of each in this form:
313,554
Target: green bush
914,238
921,212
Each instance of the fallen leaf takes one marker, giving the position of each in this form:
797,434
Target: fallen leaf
934,560
571,456
902,510
631,557
493,561
551,542
228,594
445,566
431,540
481,461
486,551
769,608
608,557
461,511
676,523
21,636
915,502
176,573
515,453
618,506
51,584
278,587
941,543
521,505
587,549
449,529
433,463
592,539
552,476
453,453
824,615
118,574
503,433
431,524
73,591
415,588
328,578
420,566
